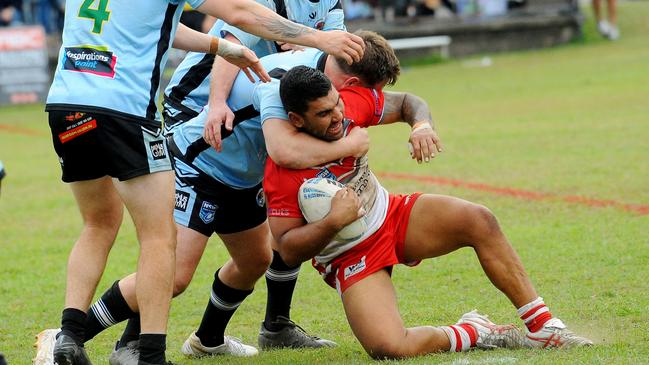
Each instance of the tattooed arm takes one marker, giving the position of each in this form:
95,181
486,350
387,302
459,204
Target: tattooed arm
409,108
259,20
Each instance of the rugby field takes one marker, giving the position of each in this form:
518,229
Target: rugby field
555,142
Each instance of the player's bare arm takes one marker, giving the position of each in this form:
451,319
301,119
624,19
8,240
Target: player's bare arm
259,20
291,148
299,241
409,108
219,113
234,53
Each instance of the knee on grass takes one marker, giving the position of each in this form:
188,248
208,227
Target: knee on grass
388,350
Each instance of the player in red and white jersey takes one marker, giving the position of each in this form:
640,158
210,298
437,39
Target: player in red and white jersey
403,229
352,171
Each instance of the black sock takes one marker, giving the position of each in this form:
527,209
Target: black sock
223,302
73,322
152,348
109,310
131,332
280,281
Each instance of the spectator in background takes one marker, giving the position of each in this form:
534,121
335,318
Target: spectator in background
606,27
384,11
2,175
48,13
10,13
357,9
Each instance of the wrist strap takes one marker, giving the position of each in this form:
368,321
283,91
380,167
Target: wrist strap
421,125
214,45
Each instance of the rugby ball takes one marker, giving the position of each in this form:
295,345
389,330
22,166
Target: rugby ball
315,197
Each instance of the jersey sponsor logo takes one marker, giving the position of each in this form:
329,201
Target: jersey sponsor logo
182,199
74,117
158,151
319,25
96,61
326,174
354,269
278,212
312,15
75,130
208,211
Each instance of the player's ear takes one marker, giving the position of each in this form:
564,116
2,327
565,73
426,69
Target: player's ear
352,81
296,119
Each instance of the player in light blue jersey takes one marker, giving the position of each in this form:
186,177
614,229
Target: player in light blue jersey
107,133
220,192
189,87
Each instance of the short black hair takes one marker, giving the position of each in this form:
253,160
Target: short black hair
302,85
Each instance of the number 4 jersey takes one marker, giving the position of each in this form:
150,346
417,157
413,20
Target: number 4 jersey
113,54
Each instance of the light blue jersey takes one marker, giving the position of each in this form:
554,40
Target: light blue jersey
189,88
112,55
240,164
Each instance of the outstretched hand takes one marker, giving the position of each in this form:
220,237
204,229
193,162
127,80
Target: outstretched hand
244,58
424,144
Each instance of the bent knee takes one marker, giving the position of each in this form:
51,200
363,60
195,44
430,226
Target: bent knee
483,222
107,220
180,285
256,265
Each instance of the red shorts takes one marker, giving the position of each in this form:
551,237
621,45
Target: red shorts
381,250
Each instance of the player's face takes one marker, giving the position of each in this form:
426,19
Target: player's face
324,118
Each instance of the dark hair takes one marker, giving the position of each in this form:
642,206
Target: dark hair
379,63
302,85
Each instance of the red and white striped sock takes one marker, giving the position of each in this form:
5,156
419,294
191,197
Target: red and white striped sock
535,314
462,336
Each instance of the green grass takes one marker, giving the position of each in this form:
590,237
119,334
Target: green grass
567,121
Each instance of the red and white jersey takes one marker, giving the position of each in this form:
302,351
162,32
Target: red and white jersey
363,108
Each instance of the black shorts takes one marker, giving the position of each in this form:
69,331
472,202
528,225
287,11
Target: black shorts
173,117
216,207
91,145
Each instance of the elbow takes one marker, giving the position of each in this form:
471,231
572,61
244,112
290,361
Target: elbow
236,18
285,157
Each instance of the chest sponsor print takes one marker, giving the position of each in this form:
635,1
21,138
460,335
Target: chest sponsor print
93,60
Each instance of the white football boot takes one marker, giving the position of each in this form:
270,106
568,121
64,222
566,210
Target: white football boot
491,335
604,28
554,334
231,346
45,347
614,33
